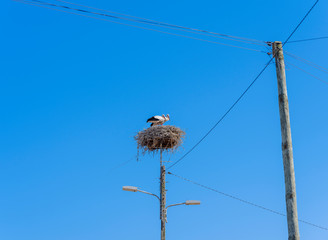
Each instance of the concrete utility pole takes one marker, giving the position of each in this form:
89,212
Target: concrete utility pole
162,199
287,148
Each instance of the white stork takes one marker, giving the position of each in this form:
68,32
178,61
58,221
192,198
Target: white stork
158,120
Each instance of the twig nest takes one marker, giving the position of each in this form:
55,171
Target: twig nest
159,138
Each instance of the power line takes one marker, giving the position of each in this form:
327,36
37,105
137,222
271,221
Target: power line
35,3
240,97
323,69
326,82
309,39
224,115
244,201
225,36
170,26
120,165
250,40
298,25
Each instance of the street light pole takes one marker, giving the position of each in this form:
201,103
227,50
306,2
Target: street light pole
163,207
162,199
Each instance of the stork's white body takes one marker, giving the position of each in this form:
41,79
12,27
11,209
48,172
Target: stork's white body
158,120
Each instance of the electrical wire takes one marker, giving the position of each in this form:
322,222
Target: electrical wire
298,25
160,24
120,165
250,40
223,116
225,36
323,69
244,201
326,82
245,91
309,39
34,3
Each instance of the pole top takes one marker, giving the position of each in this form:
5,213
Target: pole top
277,44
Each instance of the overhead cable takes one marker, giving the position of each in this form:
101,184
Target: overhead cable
289,63
225,36
121,165
298,25
308,39
323,69
223,116
41,4
244,201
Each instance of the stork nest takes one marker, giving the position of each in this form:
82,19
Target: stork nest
159,138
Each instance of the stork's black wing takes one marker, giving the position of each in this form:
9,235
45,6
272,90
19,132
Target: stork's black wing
152,119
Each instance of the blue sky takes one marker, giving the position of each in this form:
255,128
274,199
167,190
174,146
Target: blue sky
75,90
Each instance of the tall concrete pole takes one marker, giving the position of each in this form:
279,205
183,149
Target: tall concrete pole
162,199
287,149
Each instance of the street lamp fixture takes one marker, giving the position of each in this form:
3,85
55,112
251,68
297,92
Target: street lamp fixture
192,202
135,189
130,188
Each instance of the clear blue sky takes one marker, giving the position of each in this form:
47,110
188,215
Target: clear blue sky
75,90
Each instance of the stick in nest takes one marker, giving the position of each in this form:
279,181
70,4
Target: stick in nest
159,138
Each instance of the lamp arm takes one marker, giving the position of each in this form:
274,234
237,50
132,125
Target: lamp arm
177,204
149,194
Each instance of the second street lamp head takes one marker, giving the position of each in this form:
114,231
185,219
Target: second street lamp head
130,188
192,202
